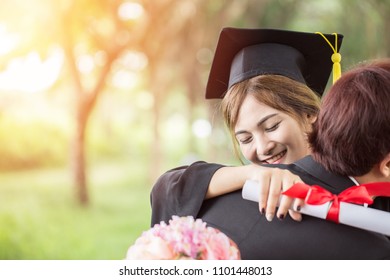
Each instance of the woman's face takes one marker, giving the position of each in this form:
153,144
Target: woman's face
266,135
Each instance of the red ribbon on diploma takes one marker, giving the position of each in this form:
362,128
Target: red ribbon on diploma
316,195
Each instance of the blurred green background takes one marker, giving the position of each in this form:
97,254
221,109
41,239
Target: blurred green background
98,98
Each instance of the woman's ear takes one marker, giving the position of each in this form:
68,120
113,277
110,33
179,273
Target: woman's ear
384,166
311,118
309,123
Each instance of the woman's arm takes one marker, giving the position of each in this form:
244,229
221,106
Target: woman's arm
272,182
181,191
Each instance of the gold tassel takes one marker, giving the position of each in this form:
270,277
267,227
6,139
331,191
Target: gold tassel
336,57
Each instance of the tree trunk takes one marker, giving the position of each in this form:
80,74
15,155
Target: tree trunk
156,151
79,165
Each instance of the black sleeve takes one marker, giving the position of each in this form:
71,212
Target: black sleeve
181,191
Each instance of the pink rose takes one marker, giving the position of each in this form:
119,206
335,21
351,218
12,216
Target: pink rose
221,247
146,248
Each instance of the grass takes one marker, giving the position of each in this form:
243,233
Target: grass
41,219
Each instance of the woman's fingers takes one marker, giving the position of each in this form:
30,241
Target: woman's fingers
275,189
264,182
288,204
272,183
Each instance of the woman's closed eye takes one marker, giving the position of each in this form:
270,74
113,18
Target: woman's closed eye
273,127
245,140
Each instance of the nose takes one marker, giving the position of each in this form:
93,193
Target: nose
264,147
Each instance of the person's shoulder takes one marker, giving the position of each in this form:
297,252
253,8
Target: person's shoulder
195,165
290,167
306,177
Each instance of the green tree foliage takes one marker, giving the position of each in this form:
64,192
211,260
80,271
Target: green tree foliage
177,39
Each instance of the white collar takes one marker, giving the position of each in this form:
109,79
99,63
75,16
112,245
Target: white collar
354,180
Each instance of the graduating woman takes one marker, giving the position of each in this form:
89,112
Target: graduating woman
270,82
349,146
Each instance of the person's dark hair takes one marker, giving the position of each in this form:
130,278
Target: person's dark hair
352,130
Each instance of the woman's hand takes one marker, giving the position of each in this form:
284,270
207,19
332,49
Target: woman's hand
273,181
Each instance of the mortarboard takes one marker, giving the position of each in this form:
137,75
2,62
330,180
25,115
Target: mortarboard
245,53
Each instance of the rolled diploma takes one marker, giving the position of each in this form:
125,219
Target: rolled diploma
350,214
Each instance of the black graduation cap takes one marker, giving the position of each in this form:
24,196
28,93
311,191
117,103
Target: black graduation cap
245,53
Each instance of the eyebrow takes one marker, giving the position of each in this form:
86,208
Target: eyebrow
259,123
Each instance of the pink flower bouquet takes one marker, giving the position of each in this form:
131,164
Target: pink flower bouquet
183,238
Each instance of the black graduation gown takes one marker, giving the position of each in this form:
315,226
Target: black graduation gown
181,191
256,237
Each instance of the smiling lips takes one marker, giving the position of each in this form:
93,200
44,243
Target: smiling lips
275,159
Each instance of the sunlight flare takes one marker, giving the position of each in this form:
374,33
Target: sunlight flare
30,73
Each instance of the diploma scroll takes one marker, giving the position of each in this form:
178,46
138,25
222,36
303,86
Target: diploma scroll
350,214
